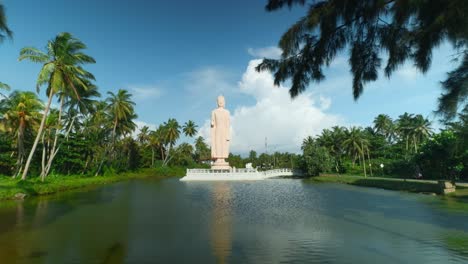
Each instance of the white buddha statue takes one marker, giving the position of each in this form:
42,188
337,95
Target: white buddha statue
220,135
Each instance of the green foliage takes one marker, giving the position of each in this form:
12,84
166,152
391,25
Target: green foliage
202,150
406,147
439,157
404,30
236,161
316,159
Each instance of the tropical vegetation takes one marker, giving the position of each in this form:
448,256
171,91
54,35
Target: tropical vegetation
406,147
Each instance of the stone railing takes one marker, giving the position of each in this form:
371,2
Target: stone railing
209,171
277,171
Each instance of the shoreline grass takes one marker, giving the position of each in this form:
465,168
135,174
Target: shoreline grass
384,183
54,184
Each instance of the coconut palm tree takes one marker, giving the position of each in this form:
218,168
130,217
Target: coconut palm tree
4,86
155,142
356,146
404,128
332,140
22,113
4,32
171,135
60,72
420,130
143,136
384,126
190,128
121,109
307,141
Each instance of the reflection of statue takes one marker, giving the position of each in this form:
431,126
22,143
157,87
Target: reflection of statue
220,135
221,237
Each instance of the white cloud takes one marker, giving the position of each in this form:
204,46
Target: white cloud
271,52
207,83
209,80
285,122
145,92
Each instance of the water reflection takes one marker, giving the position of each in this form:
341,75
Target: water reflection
221,236
275,221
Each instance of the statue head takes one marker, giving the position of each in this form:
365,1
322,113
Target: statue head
221,102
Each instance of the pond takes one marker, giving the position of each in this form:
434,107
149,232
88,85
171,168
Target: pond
271,221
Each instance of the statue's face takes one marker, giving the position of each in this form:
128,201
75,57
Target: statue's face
220,101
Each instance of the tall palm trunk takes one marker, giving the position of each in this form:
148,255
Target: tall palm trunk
38,136
20,144
415,144
363,160
370,165
54,149
152,157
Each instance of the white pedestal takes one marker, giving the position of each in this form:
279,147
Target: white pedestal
233,174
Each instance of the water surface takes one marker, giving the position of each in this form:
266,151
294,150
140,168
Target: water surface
272,221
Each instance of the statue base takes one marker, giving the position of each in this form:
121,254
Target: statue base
247,174
220,164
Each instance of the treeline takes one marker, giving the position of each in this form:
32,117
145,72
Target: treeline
405,147
82,133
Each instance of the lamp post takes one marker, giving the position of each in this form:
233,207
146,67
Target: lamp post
382,166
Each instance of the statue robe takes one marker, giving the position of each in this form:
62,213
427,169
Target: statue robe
220,133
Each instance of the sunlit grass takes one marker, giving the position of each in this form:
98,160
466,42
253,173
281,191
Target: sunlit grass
56,183
384,183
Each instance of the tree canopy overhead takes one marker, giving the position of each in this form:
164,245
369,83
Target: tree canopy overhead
4,29
405,30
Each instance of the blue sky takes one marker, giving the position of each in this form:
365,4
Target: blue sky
177,56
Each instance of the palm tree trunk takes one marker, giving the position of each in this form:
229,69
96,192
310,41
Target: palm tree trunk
20,145
363,159
43,156
39,133
415,145
152,157
370,165
52,152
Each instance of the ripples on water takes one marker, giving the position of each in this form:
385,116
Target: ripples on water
273,221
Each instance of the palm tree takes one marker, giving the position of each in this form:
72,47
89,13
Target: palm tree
171,134
420,130
143,136
172,129
4,86
60,72
307,141
356,145
190,128
404,128
155,142
79,108
383,125
4,32
120,107
22,113
120,110
332,140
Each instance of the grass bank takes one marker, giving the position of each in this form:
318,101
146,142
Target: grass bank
58,183
384,183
